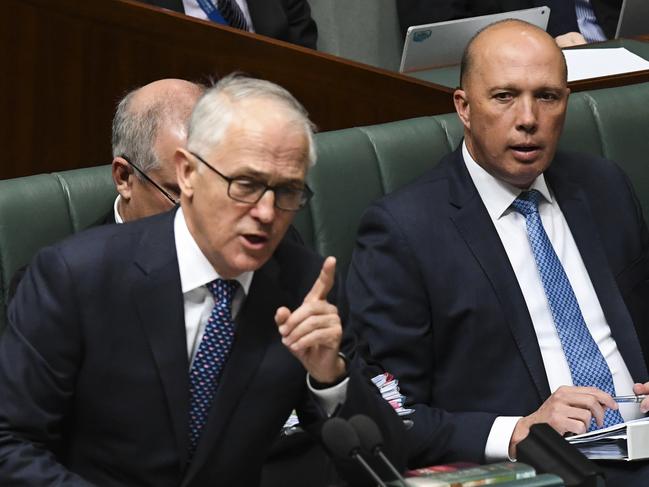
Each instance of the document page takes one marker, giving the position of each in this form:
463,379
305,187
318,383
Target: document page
594,63
614,442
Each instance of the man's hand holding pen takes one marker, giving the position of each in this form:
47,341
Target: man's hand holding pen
642,390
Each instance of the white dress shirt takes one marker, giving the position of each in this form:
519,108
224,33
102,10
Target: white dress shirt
118,217
194,9
195,272
497,197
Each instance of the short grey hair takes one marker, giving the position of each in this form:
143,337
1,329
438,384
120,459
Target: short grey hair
134,133
136,127
216,109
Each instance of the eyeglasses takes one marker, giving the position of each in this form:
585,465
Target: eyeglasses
246,190
146,176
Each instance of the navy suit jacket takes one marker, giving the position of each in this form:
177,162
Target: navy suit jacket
287,20
432,291
416,12
94,368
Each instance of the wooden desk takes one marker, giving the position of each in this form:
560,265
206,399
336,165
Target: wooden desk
449,76
67,63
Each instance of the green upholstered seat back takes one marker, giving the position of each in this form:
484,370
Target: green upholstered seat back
355,166
614,123
358,165
39,210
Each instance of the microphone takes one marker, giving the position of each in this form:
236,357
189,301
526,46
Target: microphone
372,441
341,439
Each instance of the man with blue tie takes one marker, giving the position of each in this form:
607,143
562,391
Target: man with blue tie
571,22
507,286
287,20
170,351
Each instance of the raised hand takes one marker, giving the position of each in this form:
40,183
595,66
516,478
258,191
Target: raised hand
313,331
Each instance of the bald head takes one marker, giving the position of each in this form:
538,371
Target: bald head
149,125
147,115
512,34
513,101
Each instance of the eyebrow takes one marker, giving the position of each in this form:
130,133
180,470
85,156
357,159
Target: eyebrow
254,174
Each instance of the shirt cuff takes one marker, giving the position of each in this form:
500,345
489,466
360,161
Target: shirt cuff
330,397
497,448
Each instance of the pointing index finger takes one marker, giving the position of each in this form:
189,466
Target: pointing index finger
324,282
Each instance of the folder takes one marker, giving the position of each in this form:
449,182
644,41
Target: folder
626,441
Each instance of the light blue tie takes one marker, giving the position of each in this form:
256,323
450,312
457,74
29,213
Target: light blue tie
586,362
210,358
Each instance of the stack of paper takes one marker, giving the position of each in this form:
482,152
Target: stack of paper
386,383
389,387
595,63
625,441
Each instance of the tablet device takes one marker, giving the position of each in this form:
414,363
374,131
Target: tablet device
442,43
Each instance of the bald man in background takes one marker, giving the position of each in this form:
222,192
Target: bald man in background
149,125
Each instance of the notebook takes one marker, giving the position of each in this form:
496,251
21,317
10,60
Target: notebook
442,43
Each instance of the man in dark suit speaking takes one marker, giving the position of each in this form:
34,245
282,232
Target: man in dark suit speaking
508,285
170,351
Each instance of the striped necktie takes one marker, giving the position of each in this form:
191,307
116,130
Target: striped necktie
232,14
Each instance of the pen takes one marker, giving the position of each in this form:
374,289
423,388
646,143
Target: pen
629,398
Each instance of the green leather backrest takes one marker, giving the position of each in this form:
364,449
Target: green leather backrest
355,166
358,165
39,210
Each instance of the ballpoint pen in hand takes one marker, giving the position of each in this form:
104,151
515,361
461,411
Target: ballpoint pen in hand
630,398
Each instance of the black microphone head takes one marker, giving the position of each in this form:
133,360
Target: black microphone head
340,438
368,432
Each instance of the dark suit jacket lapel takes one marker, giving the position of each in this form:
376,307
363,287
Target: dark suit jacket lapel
255,329
475,226
158,298
176,5
575,207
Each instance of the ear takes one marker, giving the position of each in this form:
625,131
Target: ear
462,107
122,177
186,169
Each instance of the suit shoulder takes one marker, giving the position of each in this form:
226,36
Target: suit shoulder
427,193
107,243
586,168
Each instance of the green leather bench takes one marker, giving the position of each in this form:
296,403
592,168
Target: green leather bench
355,166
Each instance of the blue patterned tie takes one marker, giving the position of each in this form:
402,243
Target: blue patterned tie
210,358
232,14
586,362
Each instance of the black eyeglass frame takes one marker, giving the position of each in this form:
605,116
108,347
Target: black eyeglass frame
150,180
307,193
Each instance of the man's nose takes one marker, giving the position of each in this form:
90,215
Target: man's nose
264,209
526,115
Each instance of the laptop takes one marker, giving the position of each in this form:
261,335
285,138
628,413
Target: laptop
634,19
442,43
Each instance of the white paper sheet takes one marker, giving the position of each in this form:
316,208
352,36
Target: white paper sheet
593,63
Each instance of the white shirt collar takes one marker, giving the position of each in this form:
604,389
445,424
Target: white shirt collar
195,269
497,195
118,217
